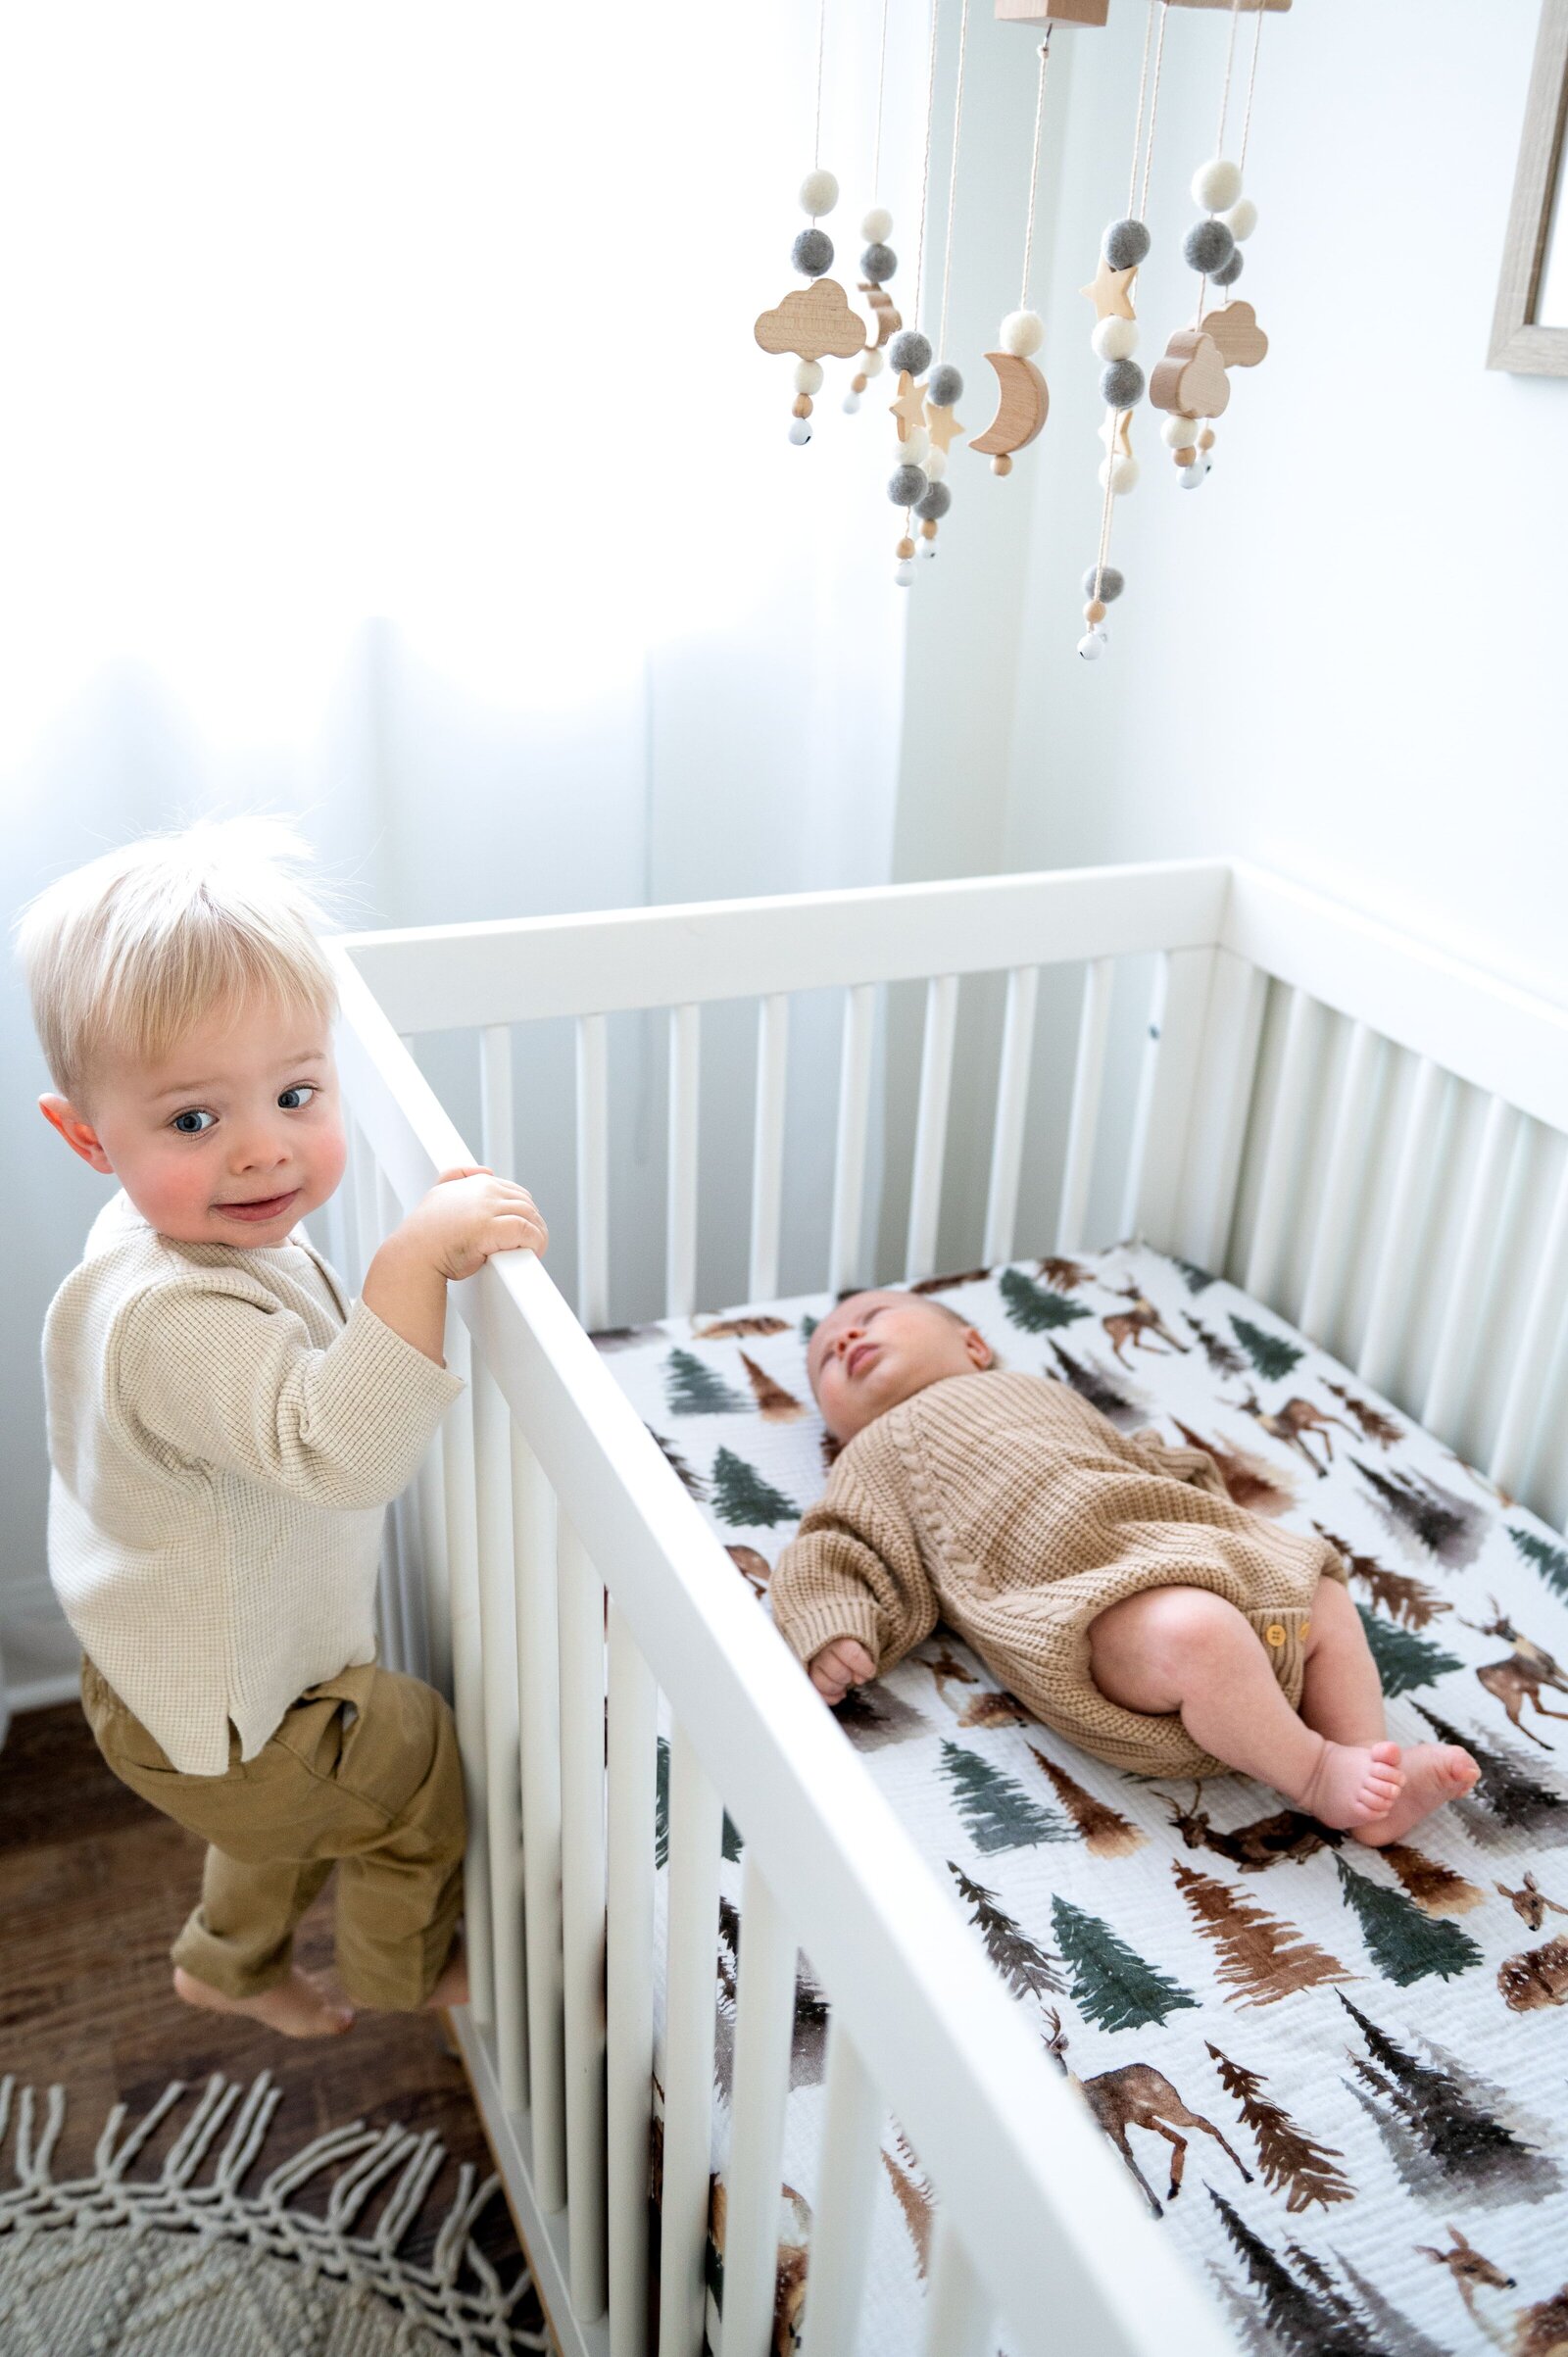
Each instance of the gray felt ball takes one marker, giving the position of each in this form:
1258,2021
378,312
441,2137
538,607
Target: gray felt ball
1208,246
946,385
877,263
1112,584
1125,244
934,504
909,350
1228,271
906,484
813,253
1121,383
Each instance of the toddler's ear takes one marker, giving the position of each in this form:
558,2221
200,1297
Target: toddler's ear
78,1133
979,1350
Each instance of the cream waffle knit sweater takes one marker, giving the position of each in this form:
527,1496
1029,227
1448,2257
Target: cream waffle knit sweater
1008,1507
226,1434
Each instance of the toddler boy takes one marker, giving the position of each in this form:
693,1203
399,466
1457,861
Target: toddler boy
1108,1581
226,1429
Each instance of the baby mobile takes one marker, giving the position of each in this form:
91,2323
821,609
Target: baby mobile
814,320
878,261
924,415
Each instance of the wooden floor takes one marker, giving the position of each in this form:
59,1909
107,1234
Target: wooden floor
94,1887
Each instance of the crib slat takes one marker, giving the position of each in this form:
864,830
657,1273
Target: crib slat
764,2020
768,1150
366,1221
1266,1251
593,1171
1389,1306
437,1578
1340,1203
1225,1065
1522,1403
1012,1107
695,1827
840,2233
1173,1069
495,1099
502,1791
680,1248
412,1654
1143,1105
957,2311
931,1125
467,1670
1448,1385
855,1110
534,1543
1083,1118
629,1982
582,1909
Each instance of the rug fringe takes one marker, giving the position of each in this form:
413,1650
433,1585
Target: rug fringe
474,2317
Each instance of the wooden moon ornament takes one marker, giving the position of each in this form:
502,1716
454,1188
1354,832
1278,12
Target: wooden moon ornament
1191,379
1020,411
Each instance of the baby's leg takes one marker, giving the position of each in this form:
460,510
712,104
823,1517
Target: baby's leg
1341,1697
1187,1650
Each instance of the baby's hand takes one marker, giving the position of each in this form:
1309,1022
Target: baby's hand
469,1214
839,1666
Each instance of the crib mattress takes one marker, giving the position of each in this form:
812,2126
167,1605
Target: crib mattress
1365,2052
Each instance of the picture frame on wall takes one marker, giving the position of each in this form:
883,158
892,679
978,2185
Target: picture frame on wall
1530,326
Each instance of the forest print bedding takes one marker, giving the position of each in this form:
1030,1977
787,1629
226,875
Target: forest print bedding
1339,2076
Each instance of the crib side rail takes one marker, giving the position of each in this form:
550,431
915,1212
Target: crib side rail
1041,2228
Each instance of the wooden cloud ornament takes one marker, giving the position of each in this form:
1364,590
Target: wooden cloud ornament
1233,328
1022,409
813,320
1191,380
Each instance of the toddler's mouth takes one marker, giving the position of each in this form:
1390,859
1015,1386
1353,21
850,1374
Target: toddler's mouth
265,1207
855,1360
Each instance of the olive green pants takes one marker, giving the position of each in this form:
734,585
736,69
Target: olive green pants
361,1773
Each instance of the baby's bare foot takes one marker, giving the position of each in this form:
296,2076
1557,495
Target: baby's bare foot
1353,1785
452,1987
295,2007
1432,1774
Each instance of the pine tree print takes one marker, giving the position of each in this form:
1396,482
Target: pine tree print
809,2039
1373,1422
1029,1971
951,1282
1065,1275
1098,1389
1105,1835
1035,1307
1406,1945
809,1326
1436,1889
694,1389
1414,1506
1392,2333
1111,1985
691,1483
1404,1660
1197,1280
661,1805
911,2189
1248,1482
1300,2319
744,1499
738,1329
1445,2124
1287,2157
1507,1787
1216,1349
873,1717
1261,1958
1550,1561
774,1404
998,1812
1396,1593
1270,1354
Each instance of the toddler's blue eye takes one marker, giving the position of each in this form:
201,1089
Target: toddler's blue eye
193,1123
294,1100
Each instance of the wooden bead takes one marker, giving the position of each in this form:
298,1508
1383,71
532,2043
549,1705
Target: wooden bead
905,547
1206,440
803,405
1002,463
859,381
1094,611
1184,458
928,529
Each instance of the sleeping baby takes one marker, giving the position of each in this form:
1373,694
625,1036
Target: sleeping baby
1107,1580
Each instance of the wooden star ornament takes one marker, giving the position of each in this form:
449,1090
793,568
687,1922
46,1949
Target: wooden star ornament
942,425
1110,291
910,407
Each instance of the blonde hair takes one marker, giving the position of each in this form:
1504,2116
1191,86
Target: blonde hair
125,955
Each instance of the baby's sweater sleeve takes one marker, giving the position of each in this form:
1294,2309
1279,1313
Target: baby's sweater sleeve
1176,1462
854,1569
222,1377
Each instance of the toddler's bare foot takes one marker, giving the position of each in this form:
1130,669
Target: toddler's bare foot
452,1988
1355,1785
295,2007
1432,1774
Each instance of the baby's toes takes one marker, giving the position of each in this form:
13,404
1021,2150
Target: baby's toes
1458,1769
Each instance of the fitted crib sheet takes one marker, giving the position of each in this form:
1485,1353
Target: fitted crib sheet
1366,2053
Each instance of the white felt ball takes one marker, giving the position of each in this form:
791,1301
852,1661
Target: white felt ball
1192,476
935,464
1114,339
1179,433
1216,184
808,377
1022,332
870,363
1092,645
1123,476
819,193
876,224
799,432
928,548
1241,219
914,447
904,572
852,401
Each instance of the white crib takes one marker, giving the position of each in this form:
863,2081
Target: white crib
1372,1137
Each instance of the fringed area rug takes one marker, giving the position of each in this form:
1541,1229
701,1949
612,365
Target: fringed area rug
181,2263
